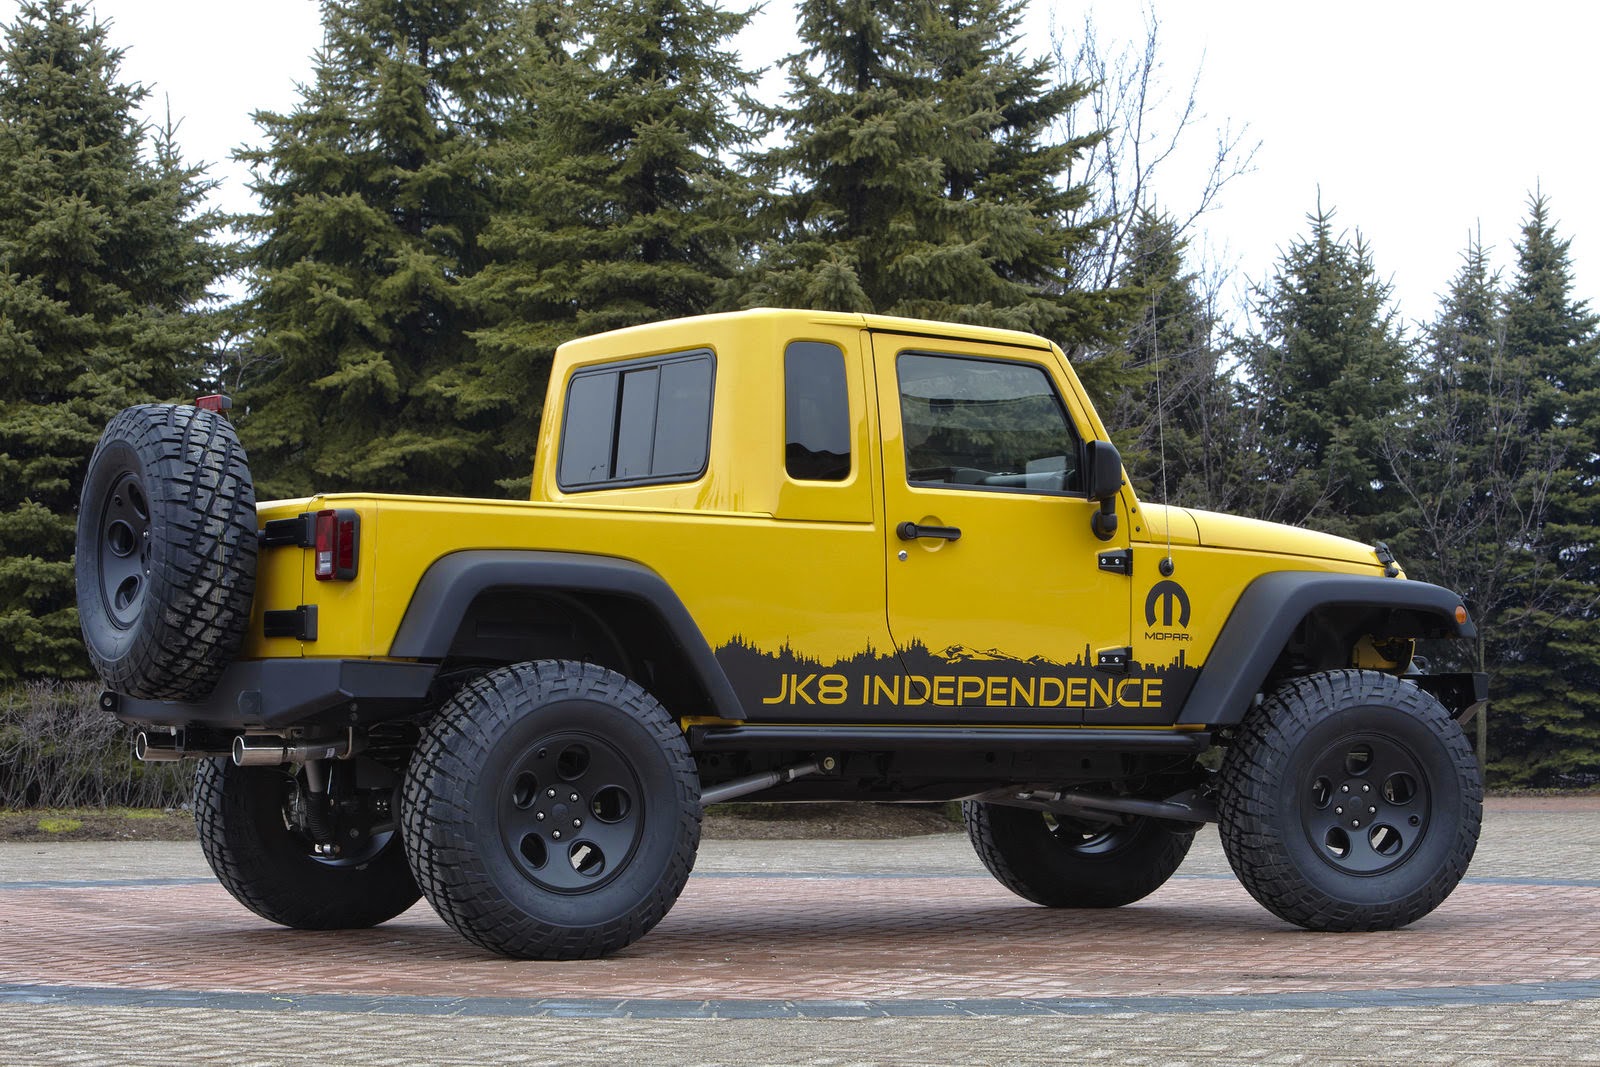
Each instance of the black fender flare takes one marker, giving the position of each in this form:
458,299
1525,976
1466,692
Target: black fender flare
1271,607
452,582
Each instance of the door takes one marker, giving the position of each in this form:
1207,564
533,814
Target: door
999,604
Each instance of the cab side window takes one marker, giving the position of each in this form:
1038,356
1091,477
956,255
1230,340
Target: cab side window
637,423
816,412
985,424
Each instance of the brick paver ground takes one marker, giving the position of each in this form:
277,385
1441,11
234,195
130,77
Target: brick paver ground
818,952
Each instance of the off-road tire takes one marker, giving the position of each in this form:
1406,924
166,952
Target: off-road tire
1062,863
166,551
552,811
270,869
1291,824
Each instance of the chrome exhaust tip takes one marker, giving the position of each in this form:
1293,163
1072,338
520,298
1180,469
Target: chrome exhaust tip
152,750
167,748
276,751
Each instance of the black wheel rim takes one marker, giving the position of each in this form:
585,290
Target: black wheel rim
571,812
124,543
353,845
1366,804
367,850
1085,837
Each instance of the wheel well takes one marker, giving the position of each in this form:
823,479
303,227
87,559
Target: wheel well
1321,619
1327,638
503,626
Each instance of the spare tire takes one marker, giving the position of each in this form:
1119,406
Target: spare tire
166,554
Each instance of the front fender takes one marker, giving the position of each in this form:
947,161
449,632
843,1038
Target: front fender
1272,606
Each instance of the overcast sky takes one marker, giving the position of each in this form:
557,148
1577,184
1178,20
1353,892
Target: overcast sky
1420,121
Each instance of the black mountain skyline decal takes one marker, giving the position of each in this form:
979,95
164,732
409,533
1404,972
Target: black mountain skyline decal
959,684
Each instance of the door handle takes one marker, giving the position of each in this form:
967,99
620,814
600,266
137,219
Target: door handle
910,531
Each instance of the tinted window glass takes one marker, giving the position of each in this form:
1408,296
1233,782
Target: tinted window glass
683,426
646,421
984,423
636,423
587,429
817,412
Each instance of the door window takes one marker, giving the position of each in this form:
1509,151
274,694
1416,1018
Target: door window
984,424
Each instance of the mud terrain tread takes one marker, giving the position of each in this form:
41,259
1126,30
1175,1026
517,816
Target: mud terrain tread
268,870
447,840
202,580
1251,795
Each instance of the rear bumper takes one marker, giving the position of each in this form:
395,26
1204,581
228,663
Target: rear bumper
277,693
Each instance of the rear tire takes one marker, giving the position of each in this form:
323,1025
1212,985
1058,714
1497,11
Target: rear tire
552,811
272,870
166,551
1351,800
1065,863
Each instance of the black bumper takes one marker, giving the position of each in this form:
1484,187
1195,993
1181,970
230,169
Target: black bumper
1464,694
279,693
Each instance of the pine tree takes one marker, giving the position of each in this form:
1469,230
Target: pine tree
1548,692
996,245
1327,372
1475,475
626,211
105,255
1176,412
859,158
1457,458
918,176
375,192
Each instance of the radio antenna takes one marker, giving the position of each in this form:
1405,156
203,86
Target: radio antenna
1166,566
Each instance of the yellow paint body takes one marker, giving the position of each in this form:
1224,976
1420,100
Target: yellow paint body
777,563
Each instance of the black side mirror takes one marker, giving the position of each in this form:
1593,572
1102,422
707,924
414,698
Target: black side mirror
1103,481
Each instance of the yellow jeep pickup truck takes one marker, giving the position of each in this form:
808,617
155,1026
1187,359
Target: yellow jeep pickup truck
783,555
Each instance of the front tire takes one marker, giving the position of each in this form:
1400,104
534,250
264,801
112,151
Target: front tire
552,811
1062,862
274,871
1350,801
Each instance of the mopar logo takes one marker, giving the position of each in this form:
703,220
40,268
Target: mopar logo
1167,594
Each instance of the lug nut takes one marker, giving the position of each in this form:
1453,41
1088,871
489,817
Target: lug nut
538,816
1338,811
576,823
556,834
549,792
573,797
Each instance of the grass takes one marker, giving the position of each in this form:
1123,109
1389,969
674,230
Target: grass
96,824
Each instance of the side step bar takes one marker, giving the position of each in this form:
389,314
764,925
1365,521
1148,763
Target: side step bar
847,738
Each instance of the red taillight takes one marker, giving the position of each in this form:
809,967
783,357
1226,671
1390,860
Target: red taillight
338,537
214,402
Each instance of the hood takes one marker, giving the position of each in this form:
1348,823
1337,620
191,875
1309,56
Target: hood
1167,522
1256,535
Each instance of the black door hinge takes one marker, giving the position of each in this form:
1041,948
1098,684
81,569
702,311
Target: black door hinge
1115,660
299,623
1119,561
